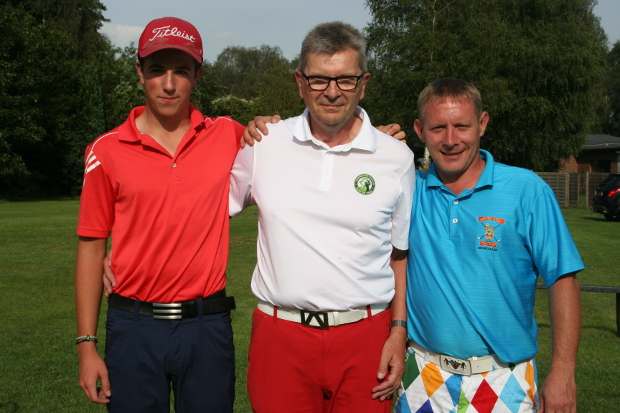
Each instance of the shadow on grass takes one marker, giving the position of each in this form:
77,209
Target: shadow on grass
6,199
600,219
10,407
613,331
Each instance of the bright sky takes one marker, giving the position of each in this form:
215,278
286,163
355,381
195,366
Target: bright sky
251,23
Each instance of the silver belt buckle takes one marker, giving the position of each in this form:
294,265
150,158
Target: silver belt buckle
164,311
455,365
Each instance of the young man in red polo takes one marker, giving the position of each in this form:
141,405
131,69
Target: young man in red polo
159,183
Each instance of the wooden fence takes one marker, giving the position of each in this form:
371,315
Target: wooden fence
569,186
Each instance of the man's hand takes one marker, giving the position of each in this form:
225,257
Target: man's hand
392,357
393,129
92,369
109,281
255,127
559,394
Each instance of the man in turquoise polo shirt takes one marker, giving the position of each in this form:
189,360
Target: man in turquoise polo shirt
481,234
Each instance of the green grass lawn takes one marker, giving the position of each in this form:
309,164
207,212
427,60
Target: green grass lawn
597,374
38,362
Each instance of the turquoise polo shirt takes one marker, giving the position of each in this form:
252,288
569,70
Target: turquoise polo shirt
474,260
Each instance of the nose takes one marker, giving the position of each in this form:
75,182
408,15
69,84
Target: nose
168,82
332,91
450,137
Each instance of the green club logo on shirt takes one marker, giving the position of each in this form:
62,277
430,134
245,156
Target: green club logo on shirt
364,184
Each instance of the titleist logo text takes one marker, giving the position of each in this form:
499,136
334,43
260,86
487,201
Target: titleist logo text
167,31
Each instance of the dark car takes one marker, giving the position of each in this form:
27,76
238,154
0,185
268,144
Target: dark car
607,197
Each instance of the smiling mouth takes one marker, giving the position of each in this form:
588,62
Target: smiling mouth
451,153
333,107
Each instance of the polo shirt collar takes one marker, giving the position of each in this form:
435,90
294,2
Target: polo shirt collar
366,140
485,180
128,131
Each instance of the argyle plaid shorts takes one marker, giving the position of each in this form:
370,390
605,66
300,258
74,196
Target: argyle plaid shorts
427,388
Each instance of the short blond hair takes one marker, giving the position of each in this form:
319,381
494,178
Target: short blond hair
449,87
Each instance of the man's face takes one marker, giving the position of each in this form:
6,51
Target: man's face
168,77
331,107
451,131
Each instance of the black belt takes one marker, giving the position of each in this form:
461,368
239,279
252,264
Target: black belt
215,303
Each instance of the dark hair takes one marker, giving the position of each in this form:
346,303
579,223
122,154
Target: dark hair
330,38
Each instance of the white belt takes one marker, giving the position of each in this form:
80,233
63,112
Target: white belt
321,319
464,367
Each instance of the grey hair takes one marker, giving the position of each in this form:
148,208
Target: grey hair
449,87
330,38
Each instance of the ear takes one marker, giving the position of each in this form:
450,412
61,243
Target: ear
139,72
484,120
299,78
197,77
364,80
419,128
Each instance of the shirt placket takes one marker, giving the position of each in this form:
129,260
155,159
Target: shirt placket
327,171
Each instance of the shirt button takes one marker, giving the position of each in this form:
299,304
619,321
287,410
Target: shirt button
174,165
455,220
456,201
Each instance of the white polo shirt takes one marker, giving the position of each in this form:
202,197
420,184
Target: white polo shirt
328,217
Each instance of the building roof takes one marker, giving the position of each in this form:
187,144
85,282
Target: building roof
601,142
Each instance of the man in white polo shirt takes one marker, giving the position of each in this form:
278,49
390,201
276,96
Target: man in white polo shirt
334,196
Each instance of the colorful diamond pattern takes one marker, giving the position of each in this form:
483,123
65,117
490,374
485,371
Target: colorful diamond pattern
513,394
485,398
453,384
431,389
411,372
431,376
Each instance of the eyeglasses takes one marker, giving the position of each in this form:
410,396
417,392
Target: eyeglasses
346,83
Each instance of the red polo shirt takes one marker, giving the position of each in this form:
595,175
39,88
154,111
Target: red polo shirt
168,214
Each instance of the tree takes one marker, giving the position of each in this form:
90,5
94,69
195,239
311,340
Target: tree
241,110
50,97
79,19
36,74
17,121
127,92
238,69
536,63
261,76
89,123
278,93
208,90
612,81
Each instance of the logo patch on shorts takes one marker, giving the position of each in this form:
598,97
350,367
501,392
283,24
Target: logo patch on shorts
364,184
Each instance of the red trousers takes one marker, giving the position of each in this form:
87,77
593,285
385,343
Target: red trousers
295,368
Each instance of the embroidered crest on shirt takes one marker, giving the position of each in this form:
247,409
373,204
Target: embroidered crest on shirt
489,240
364,184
